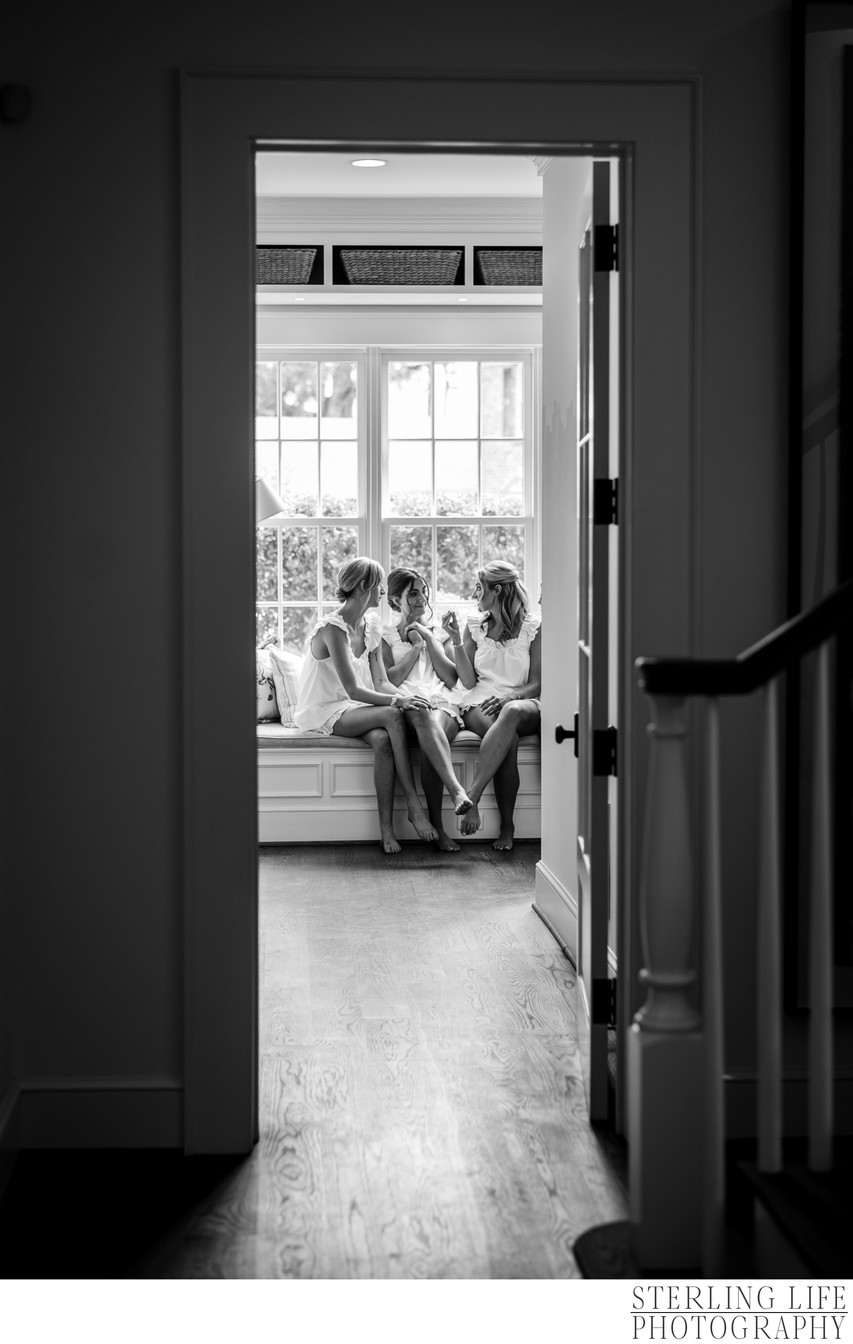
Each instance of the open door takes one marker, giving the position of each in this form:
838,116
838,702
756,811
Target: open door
596,741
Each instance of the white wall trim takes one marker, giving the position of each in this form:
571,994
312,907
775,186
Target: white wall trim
95,1112
10,1133
557,908
222,114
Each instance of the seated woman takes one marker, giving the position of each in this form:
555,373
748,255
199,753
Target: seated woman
499,664
337,693
414,660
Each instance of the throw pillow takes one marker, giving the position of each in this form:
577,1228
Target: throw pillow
267,705
285,673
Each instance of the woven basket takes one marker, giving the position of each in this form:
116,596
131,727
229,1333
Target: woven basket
401,265
284,265
510,265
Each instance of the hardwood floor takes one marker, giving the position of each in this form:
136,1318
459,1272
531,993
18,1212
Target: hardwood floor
422,1109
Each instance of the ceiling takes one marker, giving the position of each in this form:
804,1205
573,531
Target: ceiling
296,173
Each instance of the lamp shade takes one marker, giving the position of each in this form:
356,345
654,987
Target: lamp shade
267,502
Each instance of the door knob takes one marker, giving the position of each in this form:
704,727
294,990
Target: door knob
561,733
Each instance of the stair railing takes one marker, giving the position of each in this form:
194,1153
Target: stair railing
680,1137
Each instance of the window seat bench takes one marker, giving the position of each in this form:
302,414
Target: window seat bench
314,789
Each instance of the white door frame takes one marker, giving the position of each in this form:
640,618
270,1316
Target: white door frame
652,125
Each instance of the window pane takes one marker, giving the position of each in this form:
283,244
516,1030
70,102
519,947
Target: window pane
266,564
339,479
502,400
410,479
458,554
339,544
266,400
299,478
339,406
299,410
412,547
298,564
456,477
266,463
266,622
456,400
503,479
409,400
296,623
504,543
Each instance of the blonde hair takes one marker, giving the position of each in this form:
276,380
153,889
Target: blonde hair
513,600
361,572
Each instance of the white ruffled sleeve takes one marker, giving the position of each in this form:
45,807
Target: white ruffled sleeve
372,630
530,628
475,625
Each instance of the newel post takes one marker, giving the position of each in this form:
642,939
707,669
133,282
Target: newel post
664,1048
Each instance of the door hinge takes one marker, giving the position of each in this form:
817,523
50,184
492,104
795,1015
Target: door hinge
604,1003
604,751
605,500
606,247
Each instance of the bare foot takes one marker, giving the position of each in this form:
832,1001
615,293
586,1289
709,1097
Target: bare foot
471,822
462,803
390,843
446,844
505,838
422,824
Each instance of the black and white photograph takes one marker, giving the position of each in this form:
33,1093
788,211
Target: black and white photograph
426,863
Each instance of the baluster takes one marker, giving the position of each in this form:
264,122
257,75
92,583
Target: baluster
666,1112
713,1249
769,970
666,902
820,932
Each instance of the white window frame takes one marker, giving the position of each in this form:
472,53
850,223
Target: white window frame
372,523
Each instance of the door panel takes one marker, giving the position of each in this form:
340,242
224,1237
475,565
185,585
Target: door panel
594,596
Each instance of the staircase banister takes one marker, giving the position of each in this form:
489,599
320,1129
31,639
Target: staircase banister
756,665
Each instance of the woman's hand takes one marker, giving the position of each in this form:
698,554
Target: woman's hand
405,702
415,633
495,703
451,625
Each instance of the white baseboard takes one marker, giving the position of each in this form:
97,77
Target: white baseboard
10,1133
557,908
101,1113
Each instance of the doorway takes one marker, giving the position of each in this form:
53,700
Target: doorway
221,120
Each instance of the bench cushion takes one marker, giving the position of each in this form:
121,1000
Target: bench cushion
277,735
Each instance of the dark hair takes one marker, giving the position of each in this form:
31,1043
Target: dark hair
401,579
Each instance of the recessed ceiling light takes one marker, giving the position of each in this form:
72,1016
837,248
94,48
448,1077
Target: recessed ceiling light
299,298
461,300
368,163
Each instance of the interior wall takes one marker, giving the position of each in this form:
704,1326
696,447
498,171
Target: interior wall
89,268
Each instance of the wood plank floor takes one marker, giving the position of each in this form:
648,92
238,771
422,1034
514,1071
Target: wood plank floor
422,1107
422,1110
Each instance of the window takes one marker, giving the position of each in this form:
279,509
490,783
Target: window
423,459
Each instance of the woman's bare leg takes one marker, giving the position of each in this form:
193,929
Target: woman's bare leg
499,736
433,787
384,779
506,781
357,722
435,746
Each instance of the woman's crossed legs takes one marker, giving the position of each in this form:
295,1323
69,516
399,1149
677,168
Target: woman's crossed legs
497,760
